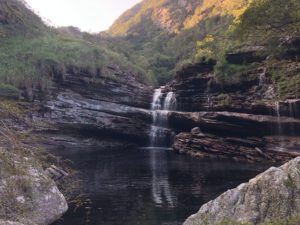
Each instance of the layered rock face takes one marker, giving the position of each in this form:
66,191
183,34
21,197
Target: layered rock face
239,120
103,103
271,196
235,135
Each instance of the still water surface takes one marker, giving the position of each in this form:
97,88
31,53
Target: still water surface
149,186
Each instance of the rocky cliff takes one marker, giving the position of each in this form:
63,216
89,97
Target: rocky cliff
107,103
244,119
272,197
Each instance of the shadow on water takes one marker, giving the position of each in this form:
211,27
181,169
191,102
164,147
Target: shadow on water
149,186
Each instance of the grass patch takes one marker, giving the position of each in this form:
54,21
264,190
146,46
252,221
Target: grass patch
9,91
286,78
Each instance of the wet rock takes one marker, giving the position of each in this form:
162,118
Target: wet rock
290,107
272,195
238,124
252,149
196,131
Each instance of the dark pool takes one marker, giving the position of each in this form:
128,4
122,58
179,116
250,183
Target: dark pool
149,186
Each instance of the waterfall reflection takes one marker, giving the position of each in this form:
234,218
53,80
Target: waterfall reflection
161,189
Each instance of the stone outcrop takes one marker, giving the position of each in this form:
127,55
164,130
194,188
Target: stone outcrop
246,55
253,149
238,124
199,91
241,120
271,196
103,103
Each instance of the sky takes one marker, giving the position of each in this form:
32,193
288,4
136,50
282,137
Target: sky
88,15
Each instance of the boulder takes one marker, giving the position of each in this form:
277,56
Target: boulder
27,194
196,130
6,222
271,196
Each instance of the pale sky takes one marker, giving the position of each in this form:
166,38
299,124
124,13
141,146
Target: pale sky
88,15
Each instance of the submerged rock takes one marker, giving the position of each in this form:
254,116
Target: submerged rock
271,196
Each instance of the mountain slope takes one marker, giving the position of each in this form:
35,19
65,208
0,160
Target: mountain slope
17,19
175,15
30,51
162,35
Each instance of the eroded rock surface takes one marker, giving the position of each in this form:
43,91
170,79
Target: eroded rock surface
272,195
242,120
104,103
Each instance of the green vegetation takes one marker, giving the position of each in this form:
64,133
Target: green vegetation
286,77
161,41
30,51
17,19
22,58
265,20
268,23
224,100
8,91
149,40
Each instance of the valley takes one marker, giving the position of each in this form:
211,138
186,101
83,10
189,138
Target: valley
177,103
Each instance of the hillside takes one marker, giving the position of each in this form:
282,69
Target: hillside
16,18
30,52
175,16
162,35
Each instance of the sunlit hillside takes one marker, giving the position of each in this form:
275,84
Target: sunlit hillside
175,16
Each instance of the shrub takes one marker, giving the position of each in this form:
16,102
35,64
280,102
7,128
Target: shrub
224,100
9,91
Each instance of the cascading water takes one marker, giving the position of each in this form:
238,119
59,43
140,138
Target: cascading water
160,137
170,103
262,77
160,134
279,126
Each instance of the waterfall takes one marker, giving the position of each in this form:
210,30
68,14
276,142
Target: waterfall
293,108
161,106
293,112
262,77
160,136
209,100
170,103
279,127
